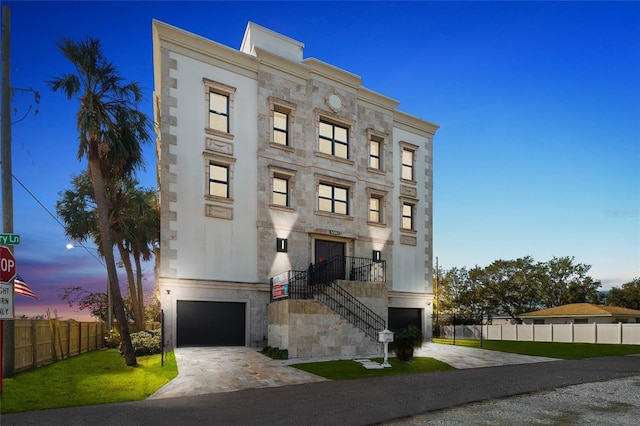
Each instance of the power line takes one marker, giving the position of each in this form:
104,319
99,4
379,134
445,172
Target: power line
57,220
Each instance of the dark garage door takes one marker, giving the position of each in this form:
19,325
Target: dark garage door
404,317
210,323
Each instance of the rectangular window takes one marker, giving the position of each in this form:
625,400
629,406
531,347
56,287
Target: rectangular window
333,199
280,128
374,154
219,180
333,140
375,209
407,216
407,164
219,112
280,191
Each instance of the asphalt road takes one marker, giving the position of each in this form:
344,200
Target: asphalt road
352,402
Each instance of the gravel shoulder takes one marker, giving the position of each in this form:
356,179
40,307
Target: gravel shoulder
610,402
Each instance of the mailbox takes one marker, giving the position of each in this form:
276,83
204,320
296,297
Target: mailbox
385,336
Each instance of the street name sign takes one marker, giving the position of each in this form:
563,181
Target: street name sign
9,239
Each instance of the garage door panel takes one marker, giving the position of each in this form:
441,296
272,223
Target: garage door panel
202,323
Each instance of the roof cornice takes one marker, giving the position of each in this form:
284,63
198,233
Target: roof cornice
200,48
412,123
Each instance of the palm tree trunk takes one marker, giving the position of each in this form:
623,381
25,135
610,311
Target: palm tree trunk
131,286
102,209
136,258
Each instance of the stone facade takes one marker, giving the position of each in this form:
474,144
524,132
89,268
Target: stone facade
223,248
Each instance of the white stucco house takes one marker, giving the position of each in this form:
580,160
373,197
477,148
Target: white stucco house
296,204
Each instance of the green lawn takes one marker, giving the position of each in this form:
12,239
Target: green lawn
349,369
98,377
548,349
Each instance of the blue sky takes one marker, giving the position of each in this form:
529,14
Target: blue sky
539,106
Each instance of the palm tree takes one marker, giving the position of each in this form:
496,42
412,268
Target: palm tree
135,227
110,132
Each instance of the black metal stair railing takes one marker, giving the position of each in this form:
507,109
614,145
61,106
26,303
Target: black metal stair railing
320,282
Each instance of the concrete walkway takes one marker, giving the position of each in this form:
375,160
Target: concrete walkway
227,369
214,370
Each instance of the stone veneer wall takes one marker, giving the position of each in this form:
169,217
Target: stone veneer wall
309,329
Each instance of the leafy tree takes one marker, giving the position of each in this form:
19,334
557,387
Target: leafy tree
95,303
462,294
626,297
111,130
511,287
514,287
564,281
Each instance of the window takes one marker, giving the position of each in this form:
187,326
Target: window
219,107
407,216
333,139
374,154
407,164
581,321
280,191
375,209
333,199
218,180
218,112
538,321
280,127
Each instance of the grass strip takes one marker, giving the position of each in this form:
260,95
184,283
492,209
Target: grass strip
548,349
350,369
99,377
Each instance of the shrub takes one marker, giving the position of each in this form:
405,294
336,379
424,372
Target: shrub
112,339
145,342
405,341
275,353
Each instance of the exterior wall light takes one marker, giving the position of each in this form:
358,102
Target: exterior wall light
377,256
281,245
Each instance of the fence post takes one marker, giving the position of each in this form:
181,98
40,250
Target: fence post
573,336
533,332
595,332
34,344
551,332
620,333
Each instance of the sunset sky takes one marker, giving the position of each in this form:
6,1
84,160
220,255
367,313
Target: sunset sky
539,106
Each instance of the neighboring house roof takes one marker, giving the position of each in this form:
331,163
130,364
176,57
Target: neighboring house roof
582,309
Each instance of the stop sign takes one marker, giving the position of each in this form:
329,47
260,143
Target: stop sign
7,265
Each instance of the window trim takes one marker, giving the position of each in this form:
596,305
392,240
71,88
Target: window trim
334,120
405,146
282,107
211,86
218,160
333,199
339,183
286,192
381,196
404,201
289,176
380,138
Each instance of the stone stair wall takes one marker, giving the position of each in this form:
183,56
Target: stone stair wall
309,329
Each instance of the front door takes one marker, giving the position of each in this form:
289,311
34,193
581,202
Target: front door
326,250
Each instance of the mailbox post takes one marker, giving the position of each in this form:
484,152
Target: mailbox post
386,336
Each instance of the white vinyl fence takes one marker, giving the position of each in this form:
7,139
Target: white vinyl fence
628,334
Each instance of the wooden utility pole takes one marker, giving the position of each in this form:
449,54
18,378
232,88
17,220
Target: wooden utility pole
8,334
